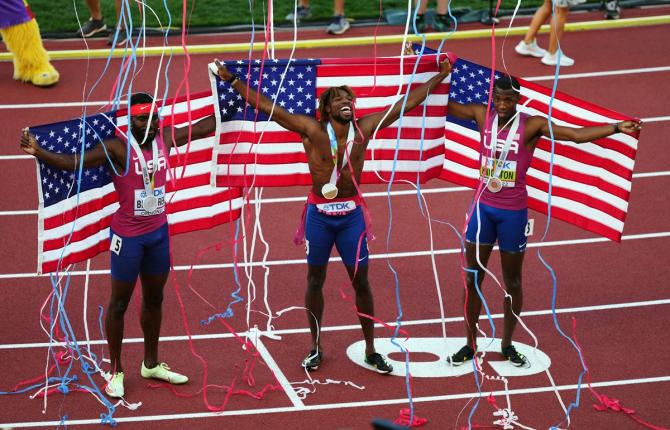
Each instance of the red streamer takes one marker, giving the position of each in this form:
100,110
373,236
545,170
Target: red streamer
606,403
60,358
404,419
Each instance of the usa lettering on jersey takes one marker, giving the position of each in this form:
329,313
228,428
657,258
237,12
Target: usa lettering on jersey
161,162
500,144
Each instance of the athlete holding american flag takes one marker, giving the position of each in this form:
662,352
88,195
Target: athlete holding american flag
501,211
140,244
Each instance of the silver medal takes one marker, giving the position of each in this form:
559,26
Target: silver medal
329,191
150,203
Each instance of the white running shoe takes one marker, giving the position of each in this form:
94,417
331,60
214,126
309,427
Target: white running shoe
163,372
552,59
530,49
114,386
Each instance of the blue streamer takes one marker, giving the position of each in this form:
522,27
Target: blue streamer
62,422
65,383
236,298
554,290
390,227
450,33
479,390
169,61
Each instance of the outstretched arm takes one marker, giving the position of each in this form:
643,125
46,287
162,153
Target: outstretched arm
92,158
468,112
414,98
296,123
198,130
585,134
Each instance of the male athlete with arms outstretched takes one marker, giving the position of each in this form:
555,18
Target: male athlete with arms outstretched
334,215
502,212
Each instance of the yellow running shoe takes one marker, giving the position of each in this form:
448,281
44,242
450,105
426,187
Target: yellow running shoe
114,386
163,372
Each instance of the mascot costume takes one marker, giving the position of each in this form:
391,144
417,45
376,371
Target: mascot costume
21,35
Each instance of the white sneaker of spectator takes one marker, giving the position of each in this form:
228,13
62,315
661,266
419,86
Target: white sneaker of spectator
338,25
530,49
302,12
552,59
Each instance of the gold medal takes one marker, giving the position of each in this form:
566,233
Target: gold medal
329,191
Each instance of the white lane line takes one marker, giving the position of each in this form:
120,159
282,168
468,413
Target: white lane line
57,105
255,337
368,195
656,119
212,336
651,174
18,213
30,157
599,74
376,194
301,199
16,157
336,406
447,251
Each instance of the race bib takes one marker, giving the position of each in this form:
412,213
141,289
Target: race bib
336,208
505,171
141,198
530,226
115,244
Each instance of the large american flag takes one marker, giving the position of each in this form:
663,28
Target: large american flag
591,182
254,150
73,227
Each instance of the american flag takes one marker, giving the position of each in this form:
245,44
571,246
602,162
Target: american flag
256,151
73,227
591,182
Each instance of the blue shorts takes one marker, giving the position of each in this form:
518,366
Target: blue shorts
507,226
344,231
148,253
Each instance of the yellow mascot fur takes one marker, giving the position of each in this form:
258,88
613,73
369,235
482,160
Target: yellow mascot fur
21,35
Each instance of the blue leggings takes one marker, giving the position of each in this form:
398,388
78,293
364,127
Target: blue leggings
148,253
344,231
507,226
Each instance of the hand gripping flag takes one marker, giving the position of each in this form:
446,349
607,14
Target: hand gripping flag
74,227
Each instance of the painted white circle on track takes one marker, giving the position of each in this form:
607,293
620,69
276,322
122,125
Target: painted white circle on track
442,348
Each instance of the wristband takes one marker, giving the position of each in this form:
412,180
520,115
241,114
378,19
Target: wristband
232,80
616,128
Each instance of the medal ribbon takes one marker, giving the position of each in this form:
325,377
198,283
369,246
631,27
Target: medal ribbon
147,180
508,143
333,149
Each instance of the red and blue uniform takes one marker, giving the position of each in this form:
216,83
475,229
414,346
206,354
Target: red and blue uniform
503,216
139,239
339,222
